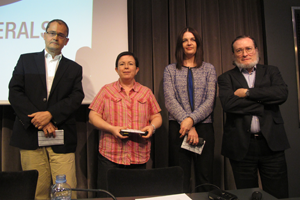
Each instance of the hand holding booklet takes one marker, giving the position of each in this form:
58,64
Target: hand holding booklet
194,148
49,141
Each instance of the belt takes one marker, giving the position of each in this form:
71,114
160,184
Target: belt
256,136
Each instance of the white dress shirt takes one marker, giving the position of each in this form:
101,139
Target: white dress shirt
51,65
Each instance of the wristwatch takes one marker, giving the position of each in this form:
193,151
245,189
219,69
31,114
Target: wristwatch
247,93
154,128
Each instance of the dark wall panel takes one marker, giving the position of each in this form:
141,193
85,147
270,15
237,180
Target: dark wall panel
281,53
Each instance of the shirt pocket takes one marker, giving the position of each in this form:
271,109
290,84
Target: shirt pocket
113,111
142,112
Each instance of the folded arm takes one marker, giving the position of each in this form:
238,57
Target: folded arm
271,90
232,103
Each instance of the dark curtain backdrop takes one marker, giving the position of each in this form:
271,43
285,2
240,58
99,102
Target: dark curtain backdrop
153,28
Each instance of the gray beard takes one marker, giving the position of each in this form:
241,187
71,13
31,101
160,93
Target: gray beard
248,66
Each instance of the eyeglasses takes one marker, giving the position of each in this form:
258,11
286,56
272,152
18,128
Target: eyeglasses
249,50
53,34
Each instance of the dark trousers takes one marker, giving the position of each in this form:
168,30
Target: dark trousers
271,166
104,165
203,164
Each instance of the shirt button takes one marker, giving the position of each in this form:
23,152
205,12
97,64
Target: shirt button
44,99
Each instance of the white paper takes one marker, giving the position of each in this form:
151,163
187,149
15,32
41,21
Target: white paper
49,141
193,148
169,197
133,131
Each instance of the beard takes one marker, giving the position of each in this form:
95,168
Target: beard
247,66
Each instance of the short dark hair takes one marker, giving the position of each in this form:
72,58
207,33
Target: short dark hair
179,53
127,53
60,22
241,37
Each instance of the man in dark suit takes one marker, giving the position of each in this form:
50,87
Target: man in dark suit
45,91
254,136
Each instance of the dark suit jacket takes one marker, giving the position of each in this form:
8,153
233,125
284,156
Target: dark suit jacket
28,94
268,93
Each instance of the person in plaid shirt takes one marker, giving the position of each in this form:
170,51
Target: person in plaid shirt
124,104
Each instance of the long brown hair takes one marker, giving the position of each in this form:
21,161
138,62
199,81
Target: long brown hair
179,53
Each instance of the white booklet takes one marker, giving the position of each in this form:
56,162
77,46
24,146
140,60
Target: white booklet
49,141
169,197
193,148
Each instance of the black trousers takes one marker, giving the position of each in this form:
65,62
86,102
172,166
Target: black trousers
271,166
104,165
203,164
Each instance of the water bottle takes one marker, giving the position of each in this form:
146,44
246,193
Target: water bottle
61,190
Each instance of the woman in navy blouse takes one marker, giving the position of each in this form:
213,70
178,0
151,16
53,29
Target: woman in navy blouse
189,91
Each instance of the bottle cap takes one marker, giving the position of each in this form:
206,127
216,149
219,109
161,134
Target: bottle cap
61,178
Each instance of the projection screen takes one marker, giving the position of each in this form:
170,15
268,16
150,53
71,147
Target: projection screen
98,33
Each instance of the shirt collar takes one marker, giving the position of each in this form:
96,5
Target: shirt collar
57,57
243,69
136,86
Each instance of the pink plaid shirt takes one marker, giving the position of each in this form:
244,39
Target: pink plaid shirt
133,112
